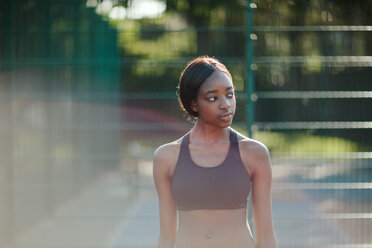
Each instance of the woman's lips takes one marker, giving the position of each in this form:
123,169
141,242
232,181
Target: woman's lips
226,116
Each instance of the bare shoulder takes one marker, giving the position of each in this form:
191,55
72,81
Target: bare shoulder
168,150
255,155
252,146
166,156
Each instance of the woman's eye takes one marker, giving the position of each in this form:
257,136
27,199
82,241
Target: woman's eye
212,98
231,94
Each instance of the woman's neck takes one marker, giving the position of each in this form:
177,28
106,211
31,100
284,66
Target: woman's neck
208,134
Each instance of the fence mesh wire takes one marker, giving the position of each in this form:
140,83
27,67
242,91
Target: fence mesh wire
88,91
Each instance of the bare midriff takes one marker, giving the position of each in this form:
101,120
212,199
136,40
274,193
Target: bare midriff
214,228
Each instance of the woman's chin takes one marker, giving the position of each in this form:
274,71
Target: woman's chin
226,124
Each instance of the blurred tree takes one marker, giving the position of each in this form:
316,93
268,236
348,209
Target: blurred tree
218,14
288,55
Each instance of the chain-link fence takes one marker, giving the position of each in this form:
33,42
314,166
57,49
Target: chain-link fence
88,91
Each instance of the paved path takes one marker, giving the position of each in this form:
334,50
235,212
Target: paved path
109,214
290,230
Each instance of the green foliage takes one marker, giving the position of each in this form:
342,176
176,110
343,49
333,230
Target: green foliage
208,12
165,46
304,143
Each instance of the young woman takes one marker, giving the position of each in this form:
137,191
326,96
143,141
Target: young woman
203,179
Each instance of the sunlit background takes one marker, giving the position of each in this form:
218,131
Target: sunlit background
88,91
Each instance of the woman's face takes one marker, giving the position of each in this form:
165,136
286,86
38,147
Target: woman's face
215,102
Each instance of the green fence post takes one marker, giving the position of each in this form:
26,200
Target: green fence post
249,86
249,79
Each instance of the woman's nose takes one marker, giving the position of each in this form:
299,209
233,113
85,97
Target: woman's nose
225,104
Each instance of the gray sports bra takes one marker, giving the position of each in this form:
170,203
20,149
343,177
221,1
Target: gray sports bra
225,186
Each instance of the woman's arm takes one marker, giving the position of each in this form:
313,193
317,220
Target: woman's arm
167,207
260,165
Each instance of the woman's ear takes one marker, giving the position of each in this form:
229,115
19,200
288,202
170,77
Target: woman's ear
193,106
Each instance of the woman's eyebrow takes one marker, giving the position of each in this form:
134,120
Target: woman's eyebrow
210,91
214,91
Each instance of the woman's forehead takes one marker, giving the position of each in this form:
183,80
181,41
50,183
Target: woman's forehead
218,80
